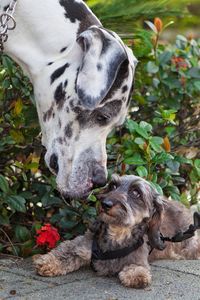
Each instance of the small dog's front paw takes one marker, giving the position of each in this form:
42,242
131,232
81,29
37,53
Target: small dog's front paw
137,277
47,265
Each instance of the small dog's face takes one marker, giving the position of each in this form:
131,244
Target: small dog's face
128,201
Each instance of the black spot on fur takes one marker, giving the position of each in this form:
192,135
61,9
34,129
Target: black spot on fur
79,11
63,49
124,89
60,140
67,109
50,63
66,83
99,67
105,46
59,96
59,123
5,7
68,130
57,73
77,138
71,103
77,72
48,114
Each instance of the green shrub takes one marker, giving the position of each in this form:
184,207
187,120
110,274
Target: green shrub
164,148
162,124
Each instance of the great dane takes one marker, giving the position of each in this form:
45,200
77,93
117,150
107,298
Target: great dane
82,76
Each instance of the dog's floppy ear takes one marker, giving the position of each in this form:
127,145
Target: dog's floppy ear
103,54
155,240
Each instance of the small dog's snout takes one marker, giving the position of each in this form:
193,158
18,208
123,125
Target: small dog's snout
107,204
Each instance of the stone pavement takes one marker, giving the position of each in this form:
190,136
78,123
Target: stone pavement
171,280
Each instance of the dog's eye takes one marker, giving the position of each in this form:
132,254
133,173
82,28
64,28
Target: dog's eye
135,194
112,186
103,118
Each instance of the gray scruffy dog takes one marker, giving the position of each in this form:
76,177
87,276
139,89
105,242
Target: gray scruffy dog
132,213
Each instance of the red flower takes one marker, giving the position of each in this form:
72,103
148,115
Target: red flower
179,62
47,236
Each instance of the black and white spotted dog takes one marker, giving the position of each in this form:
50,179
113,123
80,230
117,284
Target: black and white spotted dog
82,76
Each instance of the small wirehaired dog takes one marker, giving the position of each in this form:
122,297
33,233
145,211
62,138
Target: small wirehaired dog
131,217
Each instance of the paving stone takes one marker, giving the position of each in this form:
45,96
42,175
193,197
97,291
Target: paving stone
172,280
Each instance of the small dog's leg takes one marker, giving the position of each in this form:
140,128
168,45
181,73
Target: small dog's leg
67,257
135,276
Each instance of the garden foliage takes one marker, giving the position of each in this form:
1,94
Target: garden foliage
159,142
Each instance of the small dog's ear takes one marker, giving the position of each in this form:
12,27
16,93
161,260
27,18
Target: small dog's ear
155,240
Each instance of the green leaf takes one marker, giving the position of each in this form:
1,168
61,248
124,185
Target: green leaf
16,203
156,83
17,136
68,224
173,165
156,147
155,143
4,184
139,141
172,83
22,234
91,211
142,171
157,140
184,200
197,85
131,125
142,131
7,62
157,187
162,158
197,166
148,127
181,41
197,163
194,72
136,159
173,189
152,67
92,198
49,200
164,57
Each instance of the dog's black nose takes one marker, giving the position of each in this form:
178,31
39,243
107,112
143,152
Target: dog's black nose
107,204
99,178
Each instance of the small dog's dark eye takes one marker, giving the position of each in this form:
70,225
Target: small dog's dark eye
112,186
135,193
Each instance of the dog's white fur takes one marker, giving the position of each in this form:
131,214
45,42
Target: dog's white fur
42,31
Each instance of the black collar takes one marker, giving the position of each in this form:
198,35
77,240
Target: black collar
190,232
98,254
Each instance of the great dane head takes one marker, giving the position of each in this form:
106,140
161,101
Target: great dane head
82,76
